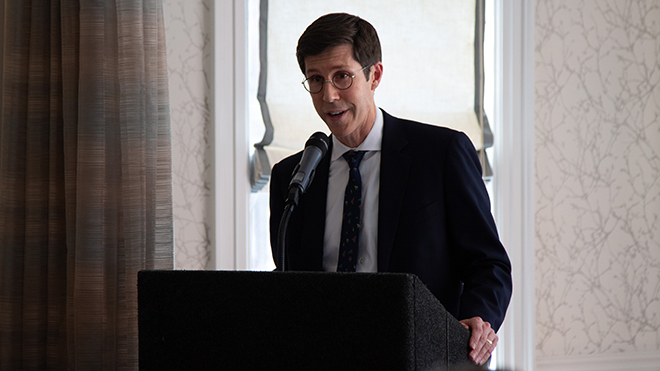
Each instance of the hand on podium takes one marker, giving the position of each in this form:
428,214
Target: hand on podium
482,341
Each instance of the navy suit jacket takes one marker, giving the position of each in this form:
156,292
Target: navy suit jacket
434,219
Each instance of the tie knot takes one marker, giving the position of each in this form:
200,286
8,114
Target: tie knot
353,158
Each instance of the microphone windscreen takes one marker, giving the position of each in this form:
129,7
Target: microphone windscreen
320,140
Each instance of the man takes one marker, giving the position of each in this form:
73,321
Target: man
424,208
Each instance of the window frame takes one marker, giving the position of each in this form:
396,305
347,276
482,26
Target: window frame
230,138
513,184
514,180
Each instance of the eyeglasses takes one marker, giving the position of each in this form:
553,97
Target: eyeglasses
341,81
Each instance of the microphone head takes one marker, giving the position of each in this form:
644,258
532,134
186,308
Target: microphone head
319,140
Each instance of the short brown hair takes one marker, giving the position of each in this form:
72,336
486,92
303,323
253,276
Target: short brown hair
337,29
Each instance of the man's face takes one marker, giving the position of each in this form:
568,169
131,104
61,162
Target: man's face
349,113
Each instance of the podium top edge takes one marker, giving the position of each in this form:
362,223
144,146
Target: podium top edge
301,273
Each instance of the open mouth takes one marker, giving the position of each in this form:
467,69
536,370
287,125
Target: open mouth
336,113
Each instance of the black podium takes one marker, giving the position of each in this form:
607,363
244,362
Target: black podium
203,320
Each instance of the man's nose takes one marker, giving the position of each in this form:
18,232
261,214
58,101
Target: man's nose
330,92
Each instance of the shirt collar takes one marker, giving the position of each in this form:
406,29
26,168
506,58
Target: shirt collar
373,141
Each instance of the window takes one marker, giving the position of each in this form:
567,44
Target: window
437,79
513,183
259,255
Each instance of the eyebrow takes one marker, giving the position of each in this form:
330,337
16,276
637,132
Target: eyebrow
342,67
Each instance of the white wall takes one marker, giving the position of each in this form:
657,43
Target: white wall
597,184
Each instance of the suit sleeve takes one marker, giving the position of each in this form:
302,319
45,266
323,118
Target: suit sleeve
277,203
484,267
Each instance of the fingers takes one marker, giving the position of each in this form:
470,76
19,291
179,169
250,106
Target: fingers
482,341
489,344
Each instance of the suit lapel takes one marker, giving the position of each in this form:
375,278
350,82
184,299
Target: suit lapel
394,168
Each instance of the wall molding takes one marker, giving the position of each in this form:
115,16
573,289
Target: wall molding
513,182
231,165
638,361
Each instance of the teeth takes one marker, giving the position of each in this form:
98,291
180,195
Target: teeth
335,113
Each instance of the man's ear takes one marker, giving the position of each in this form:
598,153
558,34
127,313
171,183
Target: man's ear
377,72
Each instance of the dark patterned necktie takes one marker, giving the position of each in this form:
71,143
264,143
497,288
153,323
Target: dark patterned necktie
351,222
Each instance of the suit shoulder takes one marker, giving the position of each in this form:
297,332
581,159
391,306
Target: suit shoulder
288,163
425,134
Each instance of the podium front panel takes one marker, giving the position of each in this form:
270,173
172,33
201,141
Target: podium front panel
295,321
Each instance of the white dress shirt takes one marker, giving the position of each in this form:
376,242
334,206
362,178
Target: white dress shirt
337,180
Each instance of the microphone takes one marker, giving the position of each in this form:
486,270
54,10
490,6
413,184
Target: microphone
315,149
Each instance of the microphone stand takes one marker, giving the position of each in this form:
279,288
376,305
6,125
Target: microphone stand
281,235
292,202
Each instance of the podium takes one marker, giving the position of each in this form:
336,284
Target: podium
219,320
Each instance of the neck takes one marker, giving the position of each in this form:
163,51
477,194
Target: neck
354,141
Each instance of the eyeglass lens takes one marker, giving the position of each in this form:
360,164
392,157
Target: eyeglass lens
341,81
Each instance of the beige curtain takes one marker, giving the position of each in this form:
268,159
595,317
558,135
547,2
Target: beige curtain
85,179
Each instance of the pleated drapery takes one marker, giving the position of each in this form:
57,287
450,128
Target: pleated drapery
85,178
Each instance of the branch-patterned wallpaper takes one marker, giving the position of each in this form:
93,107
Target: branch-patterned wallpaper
597,176
188,31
